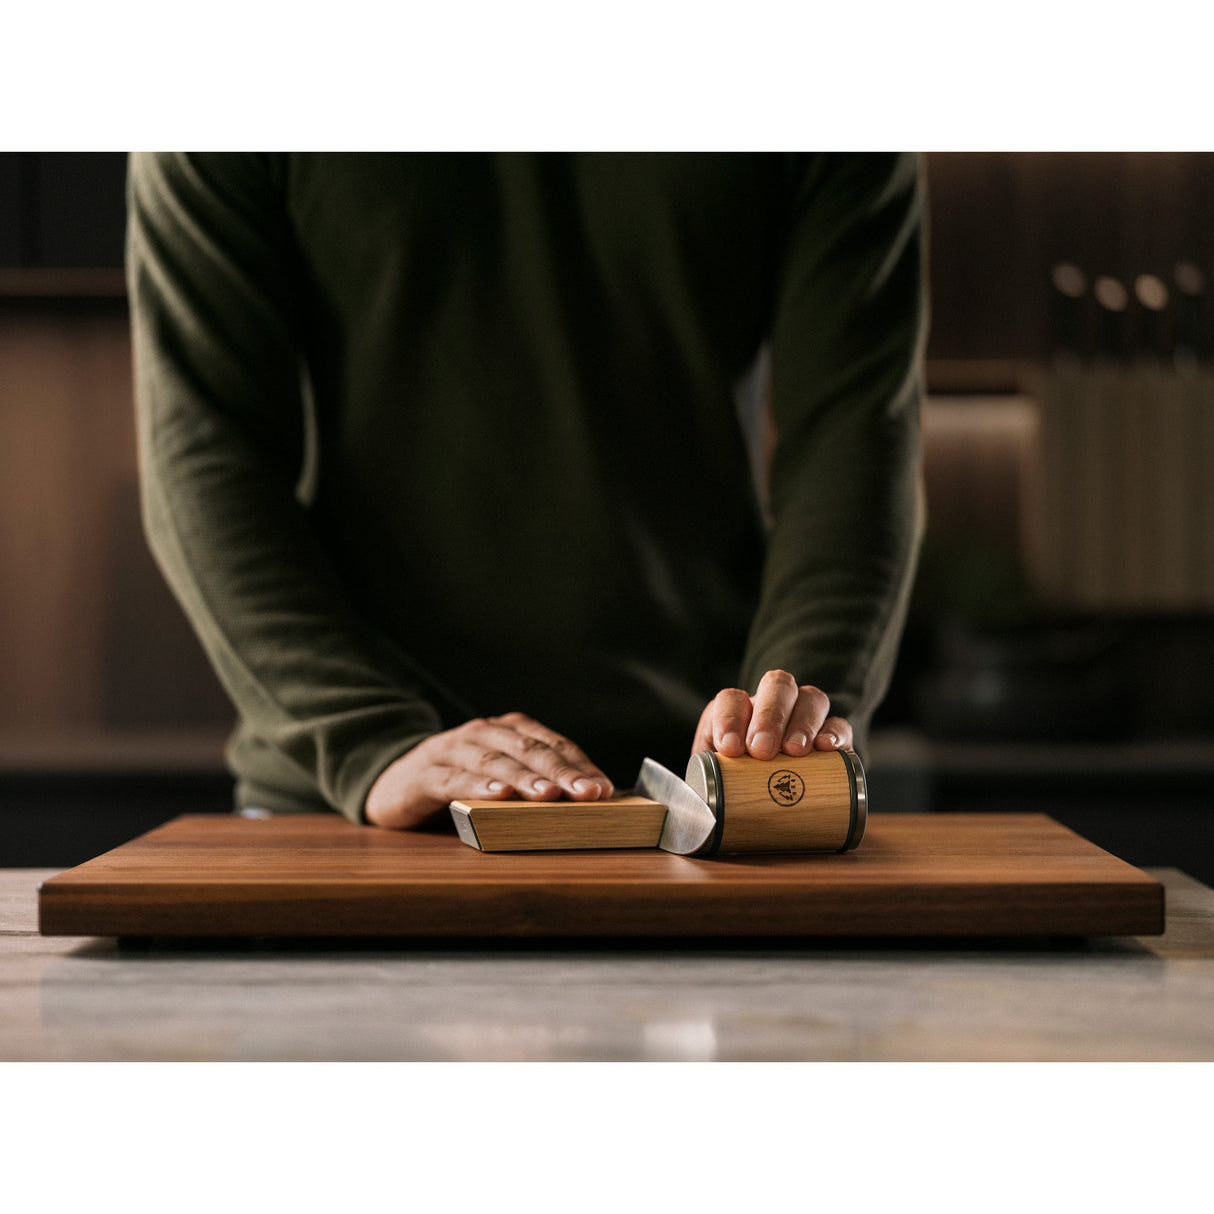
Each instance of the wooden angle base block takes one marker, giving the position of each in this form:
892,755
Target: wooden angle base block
623,821
319,875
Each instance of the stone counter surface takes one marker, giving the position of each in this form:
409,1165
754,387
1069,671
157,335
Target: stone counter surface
1133,999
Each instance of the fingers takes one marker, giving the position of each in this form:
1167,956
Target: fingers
442,785
780,717
805,721
577,774
730,716
484,756
835,734
553,763
775,698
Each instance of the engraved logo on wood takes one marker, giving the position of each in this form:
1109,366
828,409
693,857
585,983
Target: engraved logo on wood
785,787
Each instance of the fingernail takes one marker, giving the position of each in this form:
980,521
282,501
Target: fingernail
584,785
495,786
763,741
832,738
730,741
798,739
543,788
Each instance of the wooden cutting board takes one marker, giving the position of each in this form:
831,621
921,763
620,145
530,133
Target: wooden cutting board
305,875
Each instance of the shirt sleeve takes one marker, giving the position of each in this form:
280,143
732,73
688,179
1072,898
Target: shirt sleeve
220,415
846,512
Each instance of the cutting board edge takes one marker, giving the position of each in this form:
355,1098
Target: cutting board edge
610,909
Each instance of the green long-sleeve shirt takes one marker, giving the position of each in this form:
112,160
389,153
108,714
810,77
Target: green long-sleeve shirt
426,437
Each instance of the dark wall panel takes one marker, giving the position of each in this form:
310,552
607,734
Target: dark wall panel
62,209
10,209
82,207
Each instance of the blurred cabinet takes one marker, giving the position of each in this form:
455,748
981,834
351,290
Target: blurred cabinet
1001,220
90,637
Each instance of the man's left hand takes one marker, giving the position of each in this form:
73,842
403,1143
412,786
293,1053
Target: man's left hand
780,717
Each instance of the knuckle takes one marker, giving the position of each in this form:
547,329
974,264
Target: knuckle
530,745
571,753
489,756
447,784
781,679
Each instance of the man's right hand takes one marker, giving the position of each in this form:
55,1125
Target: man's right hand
494,759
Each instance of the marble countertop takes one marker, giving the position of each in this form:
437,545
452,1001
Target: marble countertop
1148,999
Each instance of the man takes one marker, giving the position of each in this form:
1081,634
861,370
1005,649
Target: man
443,457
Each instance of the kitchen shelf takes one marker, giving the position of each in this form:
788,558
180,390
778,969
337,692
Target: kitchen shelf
76,283
977,376
114,752
1168,758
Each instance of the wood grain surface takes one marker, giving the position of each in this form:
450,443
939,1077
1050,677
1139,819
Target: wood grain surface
756,819
305,875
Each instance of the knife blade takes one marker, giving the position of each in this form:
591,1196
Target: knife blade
689,821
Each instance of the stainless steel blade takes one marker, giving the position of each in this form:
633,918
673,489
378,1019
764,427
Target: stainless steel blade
689,821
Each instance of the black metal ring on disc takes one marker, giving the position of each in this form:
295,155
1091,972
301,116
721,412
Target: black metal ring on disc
858,789
716,803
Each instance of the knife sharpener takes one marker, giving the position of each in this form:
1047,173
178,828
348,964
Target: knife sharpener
815,802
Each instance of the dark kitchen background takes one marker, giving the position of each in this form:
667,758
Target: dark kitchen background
1061,642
